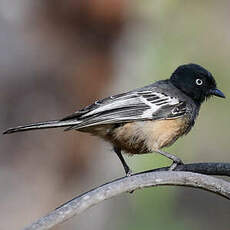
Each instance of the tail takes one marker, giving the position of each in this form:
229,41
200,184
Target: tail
41,125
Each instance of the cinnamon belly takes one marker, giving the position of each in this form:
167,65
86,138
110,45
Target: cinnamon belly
142,136
147,136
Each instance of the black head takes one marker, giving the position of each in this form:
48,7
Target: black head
196,82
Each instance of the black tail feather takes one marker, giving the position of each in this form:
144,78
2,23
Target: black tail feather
41,125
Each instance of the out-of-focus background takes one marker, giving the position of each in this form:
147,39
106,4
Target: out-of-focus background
58,56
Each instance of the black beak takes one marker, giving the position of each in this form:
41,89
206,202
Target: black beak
217,93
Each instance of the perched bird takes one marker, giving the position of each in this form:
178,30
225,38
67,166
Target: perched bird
145,119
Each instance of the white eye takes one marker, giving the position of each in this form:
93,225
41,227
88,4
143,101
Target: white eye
199,81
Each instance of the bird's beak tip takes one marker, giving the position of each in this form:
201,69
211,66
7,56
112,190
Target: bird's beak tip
217,92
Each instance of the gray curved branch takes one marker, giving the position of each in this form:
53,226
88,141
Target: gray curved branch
157,177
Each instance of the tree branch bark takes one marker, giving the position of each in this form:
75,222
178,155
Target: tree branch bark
184,175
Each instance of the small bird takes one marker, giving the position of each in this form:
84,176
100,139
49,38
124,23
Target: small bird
146,119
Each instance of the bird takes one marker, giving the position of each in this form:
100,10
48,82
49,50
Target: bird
146,119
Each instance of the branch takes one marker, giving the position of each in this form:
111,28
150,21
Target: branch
211,168
150,178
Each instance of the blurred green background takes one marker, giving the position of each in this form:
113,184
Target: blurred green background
58,56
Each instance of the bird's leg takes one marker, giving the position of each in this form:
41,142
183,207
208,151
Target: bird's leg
176,160
124,164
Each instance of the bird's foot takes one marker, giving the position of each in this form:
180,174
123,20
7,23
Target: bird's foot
128,172
176,161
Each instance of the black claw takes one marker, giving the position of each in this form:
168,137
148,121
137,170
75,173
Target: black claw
175,163
179,162
128,172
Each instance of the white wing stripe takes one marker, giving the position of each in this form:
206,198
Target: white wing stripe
117,103
154,107
135,99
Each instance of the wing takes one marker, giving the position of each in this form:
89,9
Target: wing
127,107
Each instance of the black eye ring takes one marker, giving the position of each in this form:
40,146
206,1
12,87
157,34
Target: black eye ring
199,81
